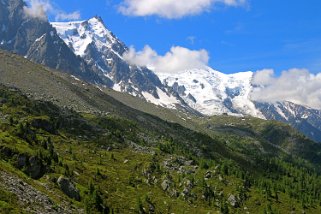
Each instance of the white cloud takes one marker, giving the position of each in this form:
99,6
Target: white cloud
172,8
176,60
263,77
295,85
61,16
38,9
41,8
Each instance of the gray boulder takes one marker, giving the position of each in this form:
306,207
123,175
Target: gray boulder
68,188
36,168
165,185
22,161
233,201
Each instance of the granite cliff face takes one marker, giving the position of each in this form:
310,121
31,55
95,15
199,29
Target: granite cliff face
38,41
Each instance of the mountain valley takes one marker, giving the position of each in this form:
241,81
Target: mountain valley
135,162
82,130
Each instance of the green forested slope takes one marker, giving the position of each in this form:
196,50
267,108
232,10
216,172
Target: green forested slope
121,165
104,156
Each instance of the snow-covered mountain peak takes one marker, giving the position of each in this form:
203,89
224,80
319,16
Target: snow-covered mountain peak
212,92
79,35
102,51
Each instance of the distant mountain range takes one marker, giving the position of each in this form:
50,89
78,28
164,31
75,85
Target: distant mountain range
91,52
213,93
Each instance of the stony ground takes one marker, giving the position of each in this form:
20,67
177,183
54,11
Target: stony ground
33,200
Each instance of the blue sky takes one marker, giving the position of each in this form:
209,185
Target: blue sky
256,35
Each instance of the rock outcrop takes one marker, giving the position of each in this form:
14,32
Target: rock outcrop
68,188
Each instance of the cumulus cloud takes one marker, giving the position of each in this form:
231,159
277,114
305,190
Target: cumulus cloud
263,77
176,60
172,8
294,85
38,9
41,8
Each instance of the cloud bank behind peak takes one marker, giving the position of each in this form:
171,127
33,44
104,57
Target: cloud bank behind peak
294,85
41,8
176,60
